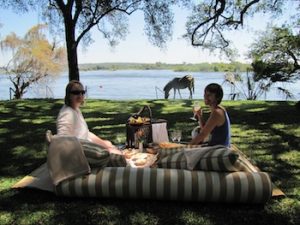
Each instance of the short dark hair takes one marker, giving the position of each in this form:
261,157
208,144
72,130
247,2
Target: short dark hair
69,87
215,89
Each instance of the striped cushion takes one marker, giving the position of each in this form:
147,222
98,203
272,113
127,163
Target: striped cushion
170,151
221,159
169,184
95,154
116,160
174,161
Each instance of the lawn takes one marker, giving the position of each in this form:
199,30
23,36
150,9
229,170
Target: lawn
268,132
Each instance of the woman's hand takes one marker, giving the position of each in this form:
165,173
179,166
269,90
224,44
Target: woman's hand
198,114
107,144
115,150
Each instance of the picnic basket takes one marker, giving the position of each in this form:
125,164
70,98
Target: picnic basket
139,127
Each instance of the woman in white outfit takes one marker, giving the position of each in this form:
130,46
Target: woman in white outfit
71,122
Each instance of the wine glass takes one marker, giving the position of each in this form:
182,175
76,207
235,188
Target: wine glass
173,136
178,135
196,108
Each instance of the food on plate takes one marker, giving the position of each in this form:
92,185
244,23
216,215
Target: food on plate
141,159
140,162
128,153
169,145
140,155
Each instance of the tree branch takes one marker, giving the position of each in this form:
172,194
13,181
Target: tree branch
244,10
214,18
95,19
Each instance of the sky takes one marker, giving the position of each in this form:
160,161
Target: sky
136,47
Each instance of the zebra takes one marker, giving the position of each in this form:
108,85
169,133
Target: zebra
180,83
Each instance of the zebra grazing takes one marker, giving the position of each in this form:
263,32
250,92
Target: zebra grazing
180,83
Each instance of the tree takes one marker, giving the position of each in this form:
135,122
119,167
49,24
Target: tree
246,86
17,5
212,19
110,18
276,56
77,17
33,59
275,59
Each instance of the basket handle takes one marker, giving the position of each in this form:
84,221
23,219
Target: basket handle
143,109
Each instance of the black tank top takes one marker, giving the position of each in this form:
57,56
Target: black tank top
221,135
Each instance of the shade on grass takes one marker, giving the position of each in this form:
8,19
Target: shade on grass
269,132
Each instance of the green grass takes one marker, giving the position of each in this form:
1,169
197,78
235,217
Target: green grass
268,132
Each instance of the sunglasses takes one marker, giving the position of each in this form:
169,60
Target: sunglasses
77,92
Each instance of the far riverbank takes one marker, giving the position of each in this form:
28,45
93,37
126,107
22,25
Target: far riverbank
184,67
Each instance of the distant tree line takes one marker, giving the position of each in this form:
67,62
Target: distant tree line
208,67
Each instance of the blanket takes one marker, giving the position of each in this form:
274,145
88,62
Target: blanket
37,179
66,159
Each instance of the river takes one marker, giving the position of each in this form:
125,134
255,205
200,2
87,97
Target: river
134,85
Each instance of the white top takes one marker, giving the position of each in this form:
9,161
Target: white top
71,122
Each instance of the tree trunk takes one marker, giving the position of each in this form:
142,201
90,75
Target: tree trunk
71,50
18,92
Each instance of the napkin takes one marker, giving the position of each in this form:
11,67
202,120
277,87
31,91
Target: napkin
159,133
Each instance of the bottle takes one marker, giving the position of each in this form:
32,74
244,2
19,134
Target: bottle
141,147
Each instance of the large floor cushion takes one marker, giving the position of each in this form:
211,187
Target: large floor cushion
170,184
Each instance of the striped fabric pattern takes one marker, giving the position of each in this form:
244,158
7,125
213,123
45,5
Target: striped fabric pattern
170,151
216,160
116,160
95,154
221,159
169,184
174,161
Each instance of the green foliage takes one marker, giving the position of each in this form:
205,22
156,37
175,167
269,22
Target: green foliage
207,67
211,21
259,129
17,5
33,59
276,54
275,57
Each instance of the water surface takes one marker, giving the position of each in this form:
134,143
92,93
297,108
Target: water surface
133,84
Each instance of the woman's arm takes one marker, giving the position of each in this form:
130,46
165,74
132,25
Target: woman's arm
65,122
104,143
212,122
